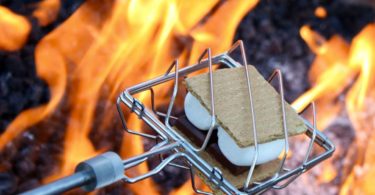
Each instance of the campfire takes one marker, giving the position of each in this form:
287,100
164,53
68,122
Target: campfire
96,49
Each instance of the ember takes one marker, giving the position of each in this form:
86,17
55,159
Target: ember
106,46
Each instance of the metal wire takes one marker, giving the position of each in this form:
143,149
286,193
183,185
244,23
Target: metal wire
239,44
174,94
278,73
140,158
123,122
311,144
212,98
193,183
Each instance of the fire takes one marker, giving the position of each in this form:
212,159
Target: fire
341,69
14,30
47,11
360,104
324,66
106,46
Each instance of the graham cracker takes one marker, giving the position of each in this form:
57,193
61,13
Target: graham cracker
232,105
260,173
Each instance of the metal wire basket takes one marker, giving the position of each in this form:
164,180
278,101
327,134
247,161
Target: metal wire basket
170,141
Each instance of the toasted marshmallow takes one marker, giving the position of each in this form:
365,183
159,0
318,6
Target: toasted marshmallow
196,113
244,156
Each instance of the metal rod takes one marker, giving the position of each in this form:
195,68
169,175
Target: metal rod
278,73
212,97
149,153
239,44
222,58
313,136
64,184
193,183
174,94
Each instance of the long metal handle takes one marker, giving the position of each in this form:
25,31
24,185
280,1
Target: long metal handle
97,172
103,170
64,184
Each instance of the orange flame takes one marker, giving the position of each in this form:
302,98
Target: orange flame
360,103
107,46
47,11
14,30
336,68
321,74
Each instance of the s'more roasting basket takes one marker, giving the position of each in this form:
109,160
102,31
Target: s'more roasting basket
198,151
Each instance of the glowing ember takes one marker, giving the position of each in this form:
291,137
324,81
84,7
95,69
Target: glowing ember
320,12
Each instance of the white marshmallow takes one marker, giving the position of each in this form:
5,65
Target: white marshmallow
196,113
244,156
201,119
